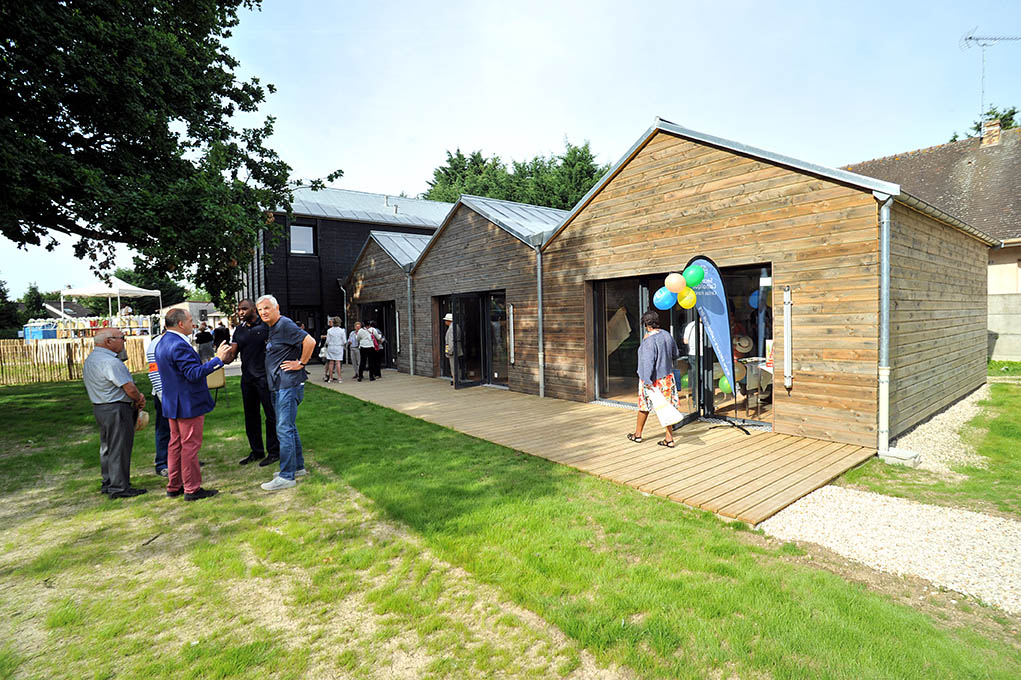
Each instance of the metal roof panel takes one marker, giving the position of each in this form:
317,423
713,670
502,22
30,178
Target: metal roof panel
361,206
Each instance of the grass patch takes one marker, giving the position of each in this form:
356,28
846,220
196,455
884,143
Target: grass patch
431,552
1012,368
997,486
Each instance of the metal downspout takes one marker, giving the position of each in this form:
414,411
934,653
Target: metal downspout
411,332
885,201
342,290
542,351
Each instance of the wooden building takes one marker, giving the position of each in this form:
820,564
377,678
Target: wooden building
480,266
307,268
378,290
771,223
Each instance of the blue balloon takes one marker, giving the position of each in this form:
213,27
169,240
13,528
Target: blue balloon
753,300
664,299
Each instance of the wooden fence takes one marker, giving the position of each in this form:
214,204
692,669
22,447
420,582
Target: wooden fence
55,360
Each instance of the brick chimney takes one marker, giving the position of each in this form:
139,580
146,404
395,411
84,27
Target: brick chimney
990,133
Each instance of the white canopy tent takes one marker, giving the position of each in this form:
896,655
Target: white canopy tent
115,289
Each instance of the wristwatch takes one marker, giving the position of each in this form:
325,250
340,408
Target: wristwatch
302,363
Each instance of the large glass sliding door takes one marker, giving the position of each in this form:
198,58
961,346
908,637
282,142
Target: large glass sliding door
481,351
620,304
468,340
498,350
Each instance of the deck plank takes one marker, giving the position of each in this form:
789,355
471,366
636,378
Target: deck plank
739,476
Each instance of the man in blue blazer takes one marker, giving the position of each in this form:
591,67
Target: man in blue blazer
186,401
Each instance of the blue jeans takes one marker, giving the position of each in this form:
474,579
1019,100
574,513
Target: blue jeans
286,401
162,435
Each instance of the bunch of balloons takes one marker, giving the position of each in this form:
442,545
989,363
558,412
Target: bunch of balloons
679,289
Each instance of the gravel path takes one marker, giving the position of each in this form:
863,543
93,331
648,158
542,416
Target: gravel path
937,440
961,550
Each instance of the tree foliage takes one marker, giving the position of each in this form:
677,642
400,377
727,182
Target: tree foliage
9,317
556,181
33,301
1007,118
116,127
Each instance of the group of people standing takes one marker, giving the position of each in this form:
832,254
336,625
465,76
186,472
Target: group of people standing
364,343
274,353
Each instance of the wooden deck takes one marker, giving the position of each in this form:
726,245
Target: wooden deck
720,469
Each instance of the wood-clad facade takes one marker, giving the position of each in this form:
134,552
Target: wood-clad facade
938,290
471,254
675,197
377,278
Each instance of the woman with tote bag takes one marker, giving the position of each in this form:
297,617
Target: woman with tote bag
657,389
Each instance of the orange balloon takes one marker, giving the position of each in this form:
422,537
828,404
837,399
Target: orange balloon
675,283
688,301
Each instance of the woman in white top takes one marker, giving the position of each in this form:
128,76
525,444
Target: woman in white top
370,344
336,338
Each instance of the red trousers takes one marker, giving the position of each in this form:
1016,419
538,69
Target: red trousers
183,454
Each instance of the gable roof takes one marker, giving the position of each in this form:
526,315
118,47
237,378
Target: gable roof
844,177
530,224
403,249
981,184
361,206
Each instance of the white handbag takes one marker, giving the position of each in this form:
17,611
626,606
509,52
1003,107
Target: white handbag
665,411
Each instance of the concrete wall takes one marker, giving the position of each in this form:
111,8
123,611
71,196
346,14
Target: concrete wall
1005,271
1005,327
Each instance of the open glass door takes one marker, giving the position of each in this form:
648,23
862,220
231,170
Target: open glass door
468,340
497,349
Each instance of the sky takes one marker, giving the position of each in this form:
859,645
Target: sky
382,90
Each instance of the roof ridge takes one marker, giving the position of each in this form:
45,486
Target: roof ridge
374,193
905,153
504,200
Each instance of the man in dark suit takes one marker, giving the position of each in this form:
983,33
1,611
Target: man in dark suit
186,401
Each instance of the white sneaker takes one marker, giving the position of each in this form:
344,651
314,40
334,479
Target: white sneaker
278,484
297,473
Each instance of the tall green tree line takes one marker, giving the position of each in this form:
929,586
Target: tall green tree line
555,181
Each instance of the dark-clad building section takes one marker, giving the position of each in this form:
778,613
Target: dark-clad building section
307,269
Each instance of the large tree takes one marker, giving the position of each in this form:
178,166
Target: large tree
116,127
556,181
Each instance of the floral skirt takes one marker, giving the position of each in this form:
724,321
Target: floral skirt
667,385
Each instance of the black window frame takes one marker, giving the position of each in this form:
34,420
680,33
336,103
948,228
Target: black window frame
290,239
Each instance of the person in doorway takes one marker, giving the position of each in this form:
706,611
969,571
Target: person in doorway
162,424
376,355
335,339
656,356
116,402
288,350
186,401
355,351
367,348
204,340
250,342
448,343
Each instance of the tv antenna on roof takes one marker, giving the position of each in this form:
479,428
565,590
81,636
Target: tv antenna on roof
969,39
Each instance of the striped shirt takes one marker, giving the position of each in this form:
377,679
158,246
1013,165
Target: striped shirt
154,371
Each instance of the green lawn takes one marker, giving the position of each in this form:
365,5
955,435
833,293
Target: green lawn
996,487
418,549
1012,368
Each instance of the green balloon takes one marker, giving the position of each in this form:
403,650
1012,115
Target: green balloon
725,385
693,275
